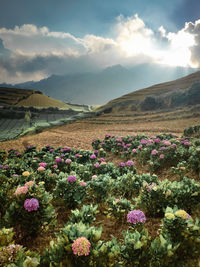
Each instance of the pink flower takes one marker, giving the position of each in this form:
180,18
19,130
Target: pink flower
117,199
41,169
97,165
42,164
55,166
29,184
154,152
93,156
166,142
122,164
83,183
81,246
94,176
21,190
31,204
162,156
134,150
68,161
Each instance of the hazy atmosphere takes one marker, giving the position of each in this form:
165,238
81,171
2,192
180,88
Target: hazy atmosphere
39,39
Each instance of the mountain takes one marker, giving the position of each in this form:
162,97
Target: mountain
100,87
178,93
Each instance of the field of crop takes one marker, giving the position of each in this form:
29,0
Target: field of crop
128,201
17,123
112,190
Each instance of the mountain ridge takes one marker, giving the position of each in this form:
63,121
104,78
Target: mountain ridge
97,88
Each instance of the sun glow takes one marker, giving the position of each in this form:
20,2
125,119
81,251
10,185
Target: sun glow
179,53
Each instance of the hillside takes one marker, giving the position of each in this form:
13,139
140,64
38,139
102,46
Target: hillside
12,96
97,88
40,100
181,92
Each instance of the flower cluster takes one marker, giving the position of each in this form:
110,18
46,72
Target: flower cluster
182,214
24,189
81,246
68,161
136,216
21,190
42,164
31,204
71,178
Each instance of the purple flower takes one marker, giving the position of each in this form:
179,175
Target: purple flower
157,140
51,150
122,164
136,216
93,156
71,178
129,163
140,147
154,152
162,148
31,204
58,160
143,142
101,159
77,155
96,151
68,161
134,150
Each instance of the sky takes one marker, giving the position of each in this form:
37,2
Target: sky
44,37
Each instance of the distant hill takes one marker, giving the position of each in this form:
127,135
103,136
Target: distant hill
100,87
34,98
12,96
180,92
40,100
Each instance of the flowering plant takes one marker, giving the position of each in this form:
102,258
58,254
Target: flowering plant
70,190
29,210
81,246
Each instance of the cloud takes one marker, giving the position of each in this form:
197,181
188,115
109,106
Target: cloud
36,53
29,39
194,30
